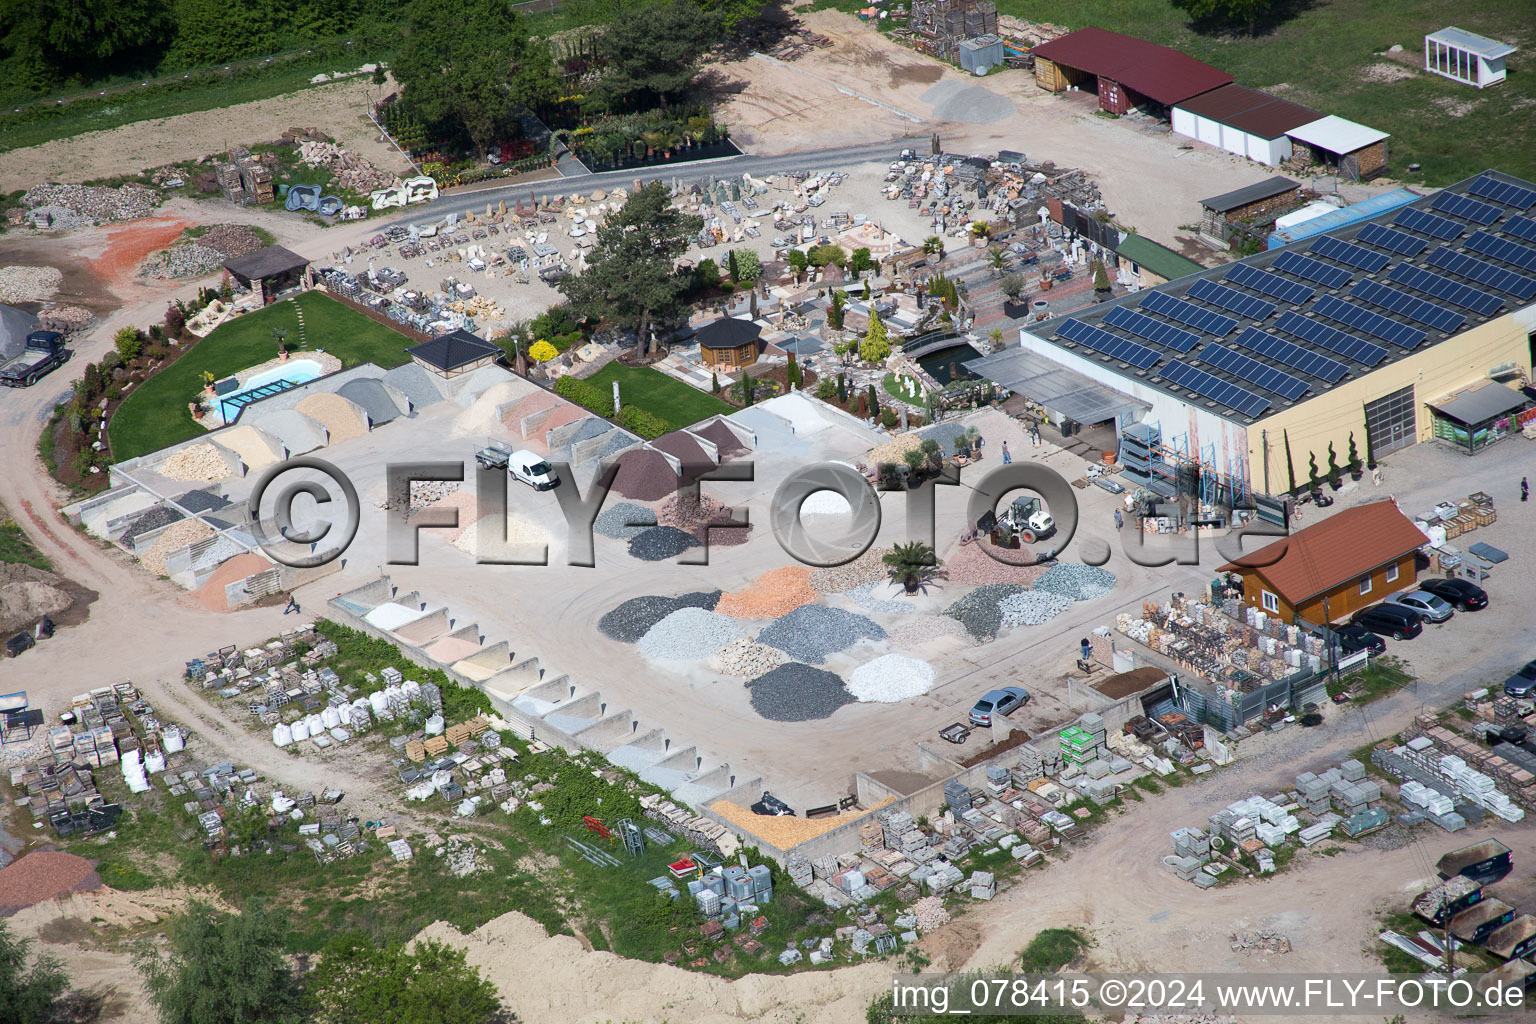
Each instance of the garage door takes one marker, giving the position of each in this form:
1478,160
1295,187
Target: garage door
1390,423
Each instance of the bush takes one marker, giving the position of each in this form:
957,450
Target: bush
129,343
744,265
585,394
706,276
641,423
888,418
829,255
542,352
826,389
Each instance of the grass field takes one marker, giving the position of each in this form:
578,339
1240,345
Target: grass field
16,548
659,395
155,414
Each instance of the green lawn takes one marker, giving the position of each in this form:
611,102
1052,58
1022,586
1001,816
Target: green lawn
155,413
16,548
659,395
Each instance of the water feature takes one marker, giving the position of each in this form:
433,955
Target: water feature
938,364
293,372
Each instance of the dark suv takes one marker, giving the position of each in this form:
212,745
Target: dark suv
1390,620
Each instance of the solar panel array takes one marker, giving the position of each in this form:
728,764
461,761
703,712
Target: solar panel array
1454,292
1522,256
1518,196
1490,274
1281,288
1373,323
1238,302
1254,372
1144,326
1210,386
1350,254
1521,227
1100,340
1396,241
1467,208
1430,224
1292,354
1411,306
1189,313
1331,338
1324,274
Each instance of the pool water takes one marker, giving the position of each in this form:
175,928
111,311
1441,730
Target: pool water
295,371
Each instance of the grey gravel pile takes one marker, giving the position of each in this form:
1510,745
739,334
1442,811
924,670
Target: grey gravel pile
1077,581
706,599
798,693
154,519
867,568
813,631
864,597
945,434
95,203
978,611
689,634
190,260
1032,608
614,521
630,621
660,543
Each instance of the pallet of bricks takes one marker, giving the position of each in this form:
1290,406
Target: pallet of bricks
704,833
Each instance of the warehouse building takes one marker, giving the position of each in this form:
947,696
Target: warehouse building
1230,383
1126,73
1243,121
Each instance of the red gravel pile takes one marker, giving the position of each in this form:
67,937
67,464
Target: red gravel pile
971,565
729,444
42,876
689,514
644,475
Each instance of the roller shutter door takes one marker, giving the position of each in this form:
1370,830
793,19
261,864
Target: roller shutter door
1390,421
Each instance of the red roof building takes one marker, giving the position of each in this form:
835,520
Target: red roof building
1125,72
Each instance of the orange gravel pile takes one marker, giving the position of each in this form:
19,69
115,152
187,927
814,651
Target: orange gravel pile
42,876
774,593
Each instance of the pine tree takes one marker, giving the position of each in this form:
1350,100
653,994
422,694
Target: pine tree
874,402
876,344
714,383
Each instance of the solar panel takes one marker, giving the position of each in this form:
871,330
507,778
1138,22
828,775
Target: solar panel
1518,196
1292,354
1350,254
1522,256
1100,340
1331,338
1189,313
1208,385
1426,223
1453,292
1370,322
1230,298
1281,288
1490,274
1144,326
1467,208
1521,227
1324,274
1396,241
1410,306
1254,372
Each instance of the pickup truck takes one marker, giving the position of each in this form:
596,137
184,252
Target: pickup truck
521,465
45,352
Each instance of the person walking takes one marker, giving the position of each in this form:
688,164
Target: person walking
1007,455
1119,520
291,606
1525,489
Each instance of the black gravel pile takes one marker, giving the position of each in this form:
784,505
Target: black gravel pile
706,599
978,611
813,631
660,543
798,693
631,620
154,519
615,520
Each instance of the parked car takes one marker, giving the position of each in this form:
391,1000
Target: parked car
1463,595
531,470
998,702
1428,606
1394,620
1523,683
1353,637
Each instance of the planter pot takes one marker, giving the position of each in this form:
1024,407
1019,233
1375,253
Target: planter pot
1355,474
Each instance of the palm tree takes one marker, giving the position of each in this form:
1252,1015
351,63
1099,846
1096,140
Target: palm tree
997,259
914,565
934,245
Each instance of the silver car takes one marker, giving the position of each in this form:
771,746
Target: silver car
1432,608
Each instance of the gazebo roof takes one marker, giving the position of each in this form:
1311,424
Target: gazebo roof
728,332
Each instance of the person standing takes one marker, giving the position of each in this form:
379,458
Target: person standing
1007,456
1119,520
1525,489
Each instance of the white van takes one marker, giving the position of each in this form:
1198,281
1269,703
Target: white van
531,470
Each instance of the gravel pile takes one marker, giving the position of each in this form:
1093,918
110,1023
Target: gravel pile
919,629
930,913
1032,608
86,202
688,634
43,875
614,521
774,593
524,538
970,565
813,631
178,536
890,679
645,475
742,657
29,284
689,513
871,597
192,259
231,239
660,543
199,462
1077,581
160,515
798,693
631,620
840,579
66,319
892,451
978,611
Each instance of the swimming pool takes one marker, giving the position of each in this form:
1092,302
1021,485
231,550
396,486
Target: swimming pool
294,372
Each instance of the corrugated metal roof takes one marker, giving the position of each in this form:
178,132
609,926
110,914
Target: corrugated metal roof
1344,217
1461,39
1159,259
1258,191
1487,401
1250,110
1160,73
1336,135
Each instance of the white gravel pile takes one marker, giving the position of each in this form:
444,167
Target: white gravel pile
867,568
1031,608
742,657
890,679
689,634
88,202
29,284
201,463
919,629
877,597
930,913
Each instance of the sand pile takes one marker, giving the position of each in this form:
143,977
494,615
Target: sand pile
211,593
774,593
27,594
524,537
177,536
513,418
343,419
200,463
482,417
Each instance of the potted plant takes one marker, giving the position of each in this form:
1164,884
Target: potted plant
914,565
1333,468
199,408
208,379
1356,470
1314,480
